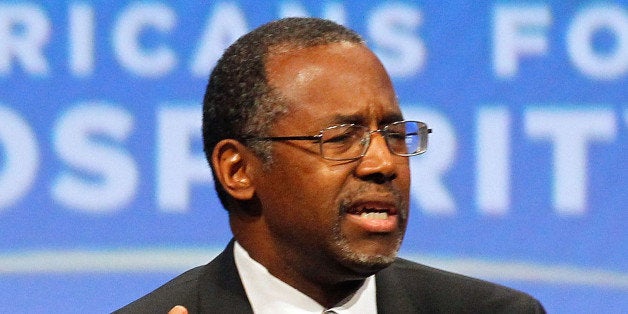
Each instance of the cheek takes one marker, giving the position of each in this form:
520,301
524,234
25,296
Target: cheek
304,207
404,177
311,193
310,176
318,189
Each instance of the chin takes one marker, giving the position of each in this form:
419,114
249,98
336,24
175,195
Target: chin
371,264
365,262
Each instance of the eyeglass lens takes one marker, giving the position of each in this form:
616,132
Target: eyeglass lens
345,142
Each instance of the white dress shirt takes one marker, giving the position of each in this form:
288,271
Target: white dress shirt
269,295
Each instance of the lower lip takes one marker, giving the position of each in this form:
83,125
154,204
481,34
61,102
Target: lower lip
374,225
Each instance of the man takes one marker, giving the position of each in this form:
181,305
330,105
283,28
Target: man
309,152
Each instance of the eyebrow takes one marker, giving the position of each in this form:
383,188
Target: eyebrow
361,120
348,119
391,118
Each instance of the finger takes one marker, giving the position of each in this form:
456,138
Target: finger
179,309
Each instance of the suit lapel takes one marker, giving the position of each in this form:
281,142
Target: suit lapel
220,287
393,295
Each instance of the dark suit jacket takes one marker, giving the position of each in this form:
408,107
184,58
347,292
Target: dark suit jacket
403,287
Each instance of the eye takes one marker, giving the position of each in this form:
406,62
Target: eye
341,135
344,141
396,136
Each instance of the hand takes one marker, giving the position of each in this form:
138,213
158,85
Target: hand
179,309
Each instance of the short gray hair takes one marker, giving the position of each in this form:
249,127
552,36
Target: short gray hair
239,102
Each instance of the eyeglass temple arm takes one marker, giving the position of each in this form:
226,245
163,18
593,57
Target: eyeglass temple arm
287,138
294,138
426,131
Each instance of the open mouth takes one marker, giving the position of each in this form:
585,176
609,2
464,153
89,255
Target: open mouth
372,211
373,216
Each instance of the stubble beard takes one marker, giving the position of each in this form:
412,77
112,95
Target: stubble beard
366,261
371,262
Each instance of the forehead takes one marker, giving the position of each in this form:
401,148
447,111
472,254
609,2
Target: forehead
333,83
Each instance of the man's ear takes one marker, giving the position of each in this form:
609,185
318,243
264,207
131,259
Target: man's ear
232,163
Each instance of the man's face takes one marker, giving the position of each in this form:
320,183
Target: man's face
333,217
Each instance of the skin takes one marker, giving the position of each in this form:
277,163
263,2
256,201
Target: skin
298,219
178,310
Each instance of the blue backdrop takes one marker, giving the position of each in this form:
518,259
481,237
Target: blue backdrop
104,192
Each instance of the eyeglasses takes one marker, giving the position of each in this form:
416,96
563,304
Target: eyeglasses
351,141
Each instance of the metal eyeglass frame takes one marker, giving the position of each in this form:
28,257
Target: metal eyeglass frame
422,129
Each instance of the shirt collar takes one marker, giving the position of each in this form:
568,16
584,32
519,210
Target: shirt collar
268,294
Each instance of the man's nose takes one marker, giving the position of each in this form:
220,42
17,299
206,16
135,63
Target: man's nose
378,160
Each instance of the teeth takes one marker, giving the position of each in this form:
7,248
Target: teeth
374,215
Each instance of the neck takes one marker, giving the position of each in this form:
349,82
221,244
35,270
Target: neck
318,277
330,296
325,287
